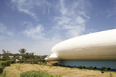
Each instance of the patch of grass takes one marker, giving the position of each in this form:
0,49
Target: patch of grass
14,70
18,67
110,75
37,74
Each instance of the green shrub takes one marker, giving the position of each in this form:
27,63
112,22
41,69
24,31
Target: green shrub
1,69
36,74
31,62
80,67
90,67
84,67
0,63
4,64
8,63
35,62
21,61
108,68
104,68
95,68
11,61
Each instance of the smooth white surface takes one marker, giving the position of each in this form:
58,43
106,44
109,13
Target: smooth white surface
51,57
94,46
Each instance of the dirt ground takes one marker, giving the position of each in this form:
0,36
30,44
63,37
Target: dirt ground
14,70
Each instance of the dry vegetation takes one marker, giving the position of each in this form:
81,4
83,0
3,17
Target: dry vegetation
15,69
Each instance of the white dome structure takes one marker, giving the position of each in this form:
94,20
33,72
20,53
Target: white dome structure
99,46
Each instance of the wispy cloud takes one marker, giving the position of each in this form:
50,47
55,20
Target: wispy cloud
69,19
30,6
35,32
111,11
4,30
72,17
24,6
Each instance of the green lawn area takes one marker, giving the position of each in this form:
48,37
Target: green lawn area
14,70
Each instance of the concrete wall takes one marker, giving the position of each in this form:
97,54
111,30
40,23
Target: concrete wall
98,64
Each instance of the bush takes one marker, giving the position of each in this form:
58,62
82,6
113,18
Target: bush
4,64
1,69
12,61
95,68
80,67
35,62
84,67
90,67
8,63
21,61
36,74
108,68
104,68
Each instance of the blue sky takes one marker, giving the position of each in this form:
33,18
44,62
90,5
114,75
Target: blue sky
37,25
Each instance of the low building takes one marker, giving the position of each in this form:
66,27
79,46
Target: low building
11,57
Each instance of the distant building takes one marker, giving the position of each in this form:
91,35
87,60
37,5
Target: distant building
1,56
95,49
11,57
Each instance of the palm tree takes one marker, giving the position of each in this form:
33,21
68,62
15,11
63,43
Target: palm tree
22,52
6,55
31,55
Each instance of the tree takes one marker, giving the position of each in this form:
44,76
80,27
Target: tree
22,52
31,55
6,55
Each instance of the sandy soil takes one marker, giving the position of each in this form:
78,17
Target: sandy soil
15,69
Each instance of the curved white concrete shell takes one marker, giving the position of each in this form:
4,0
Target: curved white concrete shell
93,46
